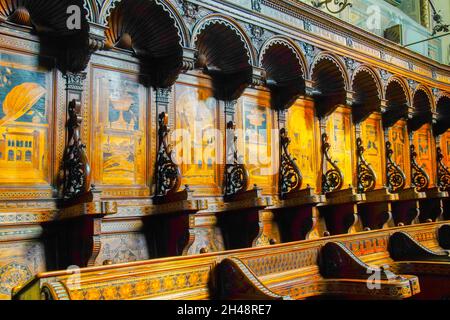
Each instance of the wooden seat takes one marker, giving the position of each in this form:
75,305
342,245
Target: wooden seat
355,266
420,254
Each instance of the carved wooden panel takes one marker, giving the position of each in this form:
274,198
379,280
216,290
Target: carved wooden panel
256,139
20,261
303,133
120,131
339,129
197,140
26,121
373,142
398,136
424,142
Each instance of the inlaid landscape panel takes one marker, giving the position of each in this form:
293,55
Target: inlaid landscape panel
257,141
301,130
198,142
398,136
25,116
372,137
339,129
119,129
425,156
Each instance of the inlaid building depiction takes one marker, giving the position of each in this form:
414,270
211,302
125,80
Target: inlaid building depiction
227,149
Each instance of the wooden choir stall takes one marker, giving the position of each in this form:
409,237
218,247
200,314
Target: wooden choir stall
174,149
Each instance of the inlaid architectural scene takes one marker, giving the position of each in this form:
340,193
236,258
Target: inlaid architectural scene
228,149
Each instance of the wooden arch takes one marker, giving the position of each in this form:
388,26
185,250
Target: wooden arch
398,99
368,92
225,53
285,69
330,82
48,19
148,29
443,113
423,107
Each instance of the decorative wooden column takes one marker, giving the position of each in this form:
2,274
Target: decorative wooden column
375,211
170,221
75,237
340,210
406,209
432,207
296,214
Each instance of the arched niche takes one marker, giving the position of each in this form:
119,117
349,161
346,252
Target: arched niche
285,72
443,114
330,84
398,103
49,20
148,30
224,53
367,93
422,108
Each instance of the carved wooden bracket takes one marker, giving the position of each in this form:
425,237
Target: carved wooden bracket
290,175
168,175
396,178
443,174
365,174
402,247
236,174
419,177
332,179
76,171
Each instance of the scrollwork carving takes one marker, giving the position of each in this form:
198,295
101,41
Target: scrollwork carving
76,172
332,179
290,175
366,176
419,177
443,174
236,175
168,175
396,178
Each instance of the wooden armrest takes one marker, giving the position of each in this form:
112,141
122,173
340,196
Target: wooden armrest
237,281
402,247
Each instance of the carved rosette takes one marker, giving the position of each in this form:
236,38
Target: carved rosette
168,175
236,175
290,175
396,178
332,179
419,177
366,175
76,173
443,174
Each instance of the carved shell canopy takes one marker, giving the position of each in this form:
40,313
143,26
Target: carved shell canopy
367,93
422,109
226,55
49,19
397,96
146,28
329,81
284,67
443,110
